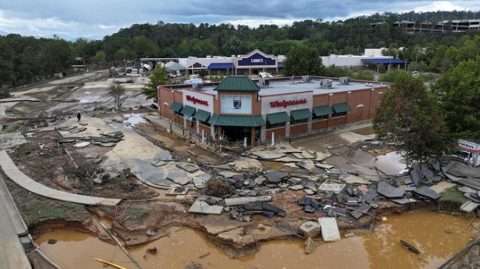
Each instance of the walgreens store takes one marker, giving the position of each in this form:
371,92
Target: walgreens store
239,108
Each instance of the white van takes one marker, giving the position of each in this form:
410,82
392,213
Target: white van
468,151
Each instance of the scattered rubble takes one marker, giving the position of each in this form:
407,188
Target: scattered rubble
329,229
310,229
202,207
387,190
246,200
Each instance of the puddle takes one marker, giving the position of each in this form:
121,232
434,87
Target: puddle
378,250
134,119
391,163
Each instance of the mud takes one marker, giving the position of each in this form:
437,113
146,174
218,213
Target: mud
434,235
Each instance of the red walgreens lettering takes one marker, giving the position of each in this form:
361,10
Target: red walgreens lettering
285,103
196,100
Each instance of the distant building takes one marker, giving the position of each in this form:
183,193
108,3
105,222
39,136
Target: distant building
455,26
239,108
251,63
370,59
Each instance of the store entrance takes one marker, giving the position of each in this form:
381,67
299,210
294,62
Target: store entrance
236,134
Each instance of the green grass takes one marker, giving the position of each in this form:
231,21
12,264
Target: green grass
453,195
23,149
12,127
41,209
135,213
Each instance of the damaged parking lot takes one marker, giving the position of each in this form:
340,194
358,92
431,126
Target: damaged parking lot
346,181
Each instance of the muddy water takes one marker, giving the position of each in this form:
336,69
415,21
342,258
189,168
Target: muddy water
436,235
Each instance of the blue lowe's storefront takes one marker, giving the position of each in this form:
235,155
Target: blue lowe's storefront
255,62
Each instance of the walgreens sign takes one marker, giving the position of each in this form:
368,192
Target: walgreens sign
285,103
195,100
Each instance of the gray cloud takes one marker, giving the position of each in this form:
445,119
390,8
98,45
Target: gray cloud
94,19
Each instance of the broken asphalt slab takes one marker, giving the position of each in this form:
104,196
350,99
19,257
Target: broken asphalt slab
333,187
188,167
470,182
203,207
459,169
428,192
389,191
268,155
275,176
246,200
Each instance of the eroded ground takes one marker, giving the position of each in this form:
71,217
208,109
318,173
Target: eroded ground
122,155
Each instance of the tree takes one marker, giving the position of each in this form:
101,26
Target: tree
303,60
409,117
144,47
56,56
364,75
392,75
100,57
158,77
459,92
117,91
7,57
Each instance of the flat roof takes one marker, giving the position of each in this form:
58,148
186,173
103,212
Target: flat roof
278,87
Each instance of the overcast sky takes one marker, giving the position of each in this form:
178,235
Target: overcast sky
94,19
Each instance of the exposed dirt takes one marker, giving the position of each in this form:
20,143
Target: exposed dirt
365,131
321,144
45,160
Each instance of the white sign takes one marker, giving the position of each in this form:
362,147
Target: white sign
236,104
287,103
198,100
468,145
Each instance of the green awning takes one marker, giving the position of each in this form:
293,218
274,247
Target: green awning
188,111
341,108
321,111
276,118
176,107
236,121
301,114
213,119
202,115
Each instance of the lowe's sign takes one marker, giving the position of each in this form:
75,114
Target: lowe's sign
257,59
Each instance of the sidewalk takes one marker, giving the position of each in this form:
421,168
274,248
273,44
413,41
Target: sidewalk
178,130
333,132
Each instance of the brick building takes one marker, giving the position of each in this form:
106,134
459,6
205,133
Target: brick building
239,108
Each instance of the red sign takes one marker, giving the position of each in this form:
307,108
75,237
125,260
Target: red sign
195,100
285,103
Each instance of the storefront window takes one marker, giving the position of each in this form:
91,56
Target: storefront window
339,114
292,121
324,117
278,125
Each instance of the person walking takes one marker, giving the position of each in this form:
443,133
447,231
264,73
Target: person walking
79,116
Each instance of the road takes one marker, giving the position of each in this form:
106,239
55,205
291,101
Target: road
12,255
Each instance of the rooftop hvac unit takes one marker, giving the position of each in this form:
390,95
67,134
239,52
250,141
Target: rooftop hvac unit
344,80
197,86
325,83
306,79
